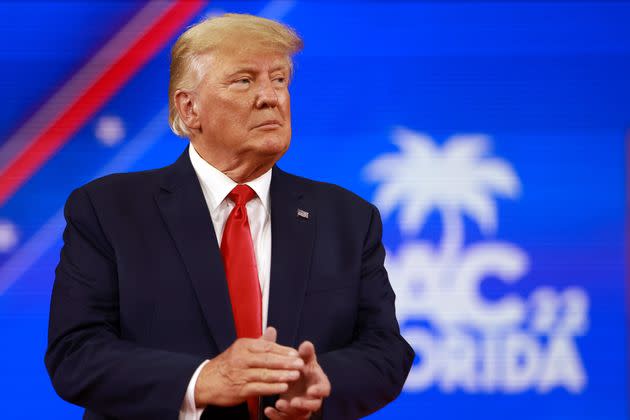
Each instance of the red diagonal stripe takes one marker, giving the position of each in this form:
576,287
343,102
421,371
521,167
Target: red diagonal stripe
60,131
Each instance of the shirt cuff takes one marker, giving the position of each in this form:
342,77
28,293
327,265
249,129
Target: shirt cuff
189,410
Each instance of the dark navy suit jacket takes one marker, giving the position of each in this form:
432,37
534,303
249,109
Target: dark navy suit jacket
140,297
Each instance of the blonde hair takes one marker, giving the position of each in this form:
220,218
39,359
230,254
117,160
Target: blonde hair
227,30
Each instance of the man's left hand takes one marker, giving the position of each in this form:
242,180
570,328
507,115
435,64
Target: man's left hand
304,396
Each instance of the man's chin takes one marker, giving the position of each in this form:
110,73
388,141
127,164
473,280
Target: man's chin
272,147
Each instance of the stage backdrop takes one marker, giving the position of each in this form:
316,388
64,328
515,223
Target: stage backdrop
490,135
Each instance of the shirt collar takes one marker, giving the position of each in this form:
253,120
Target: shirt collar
217,185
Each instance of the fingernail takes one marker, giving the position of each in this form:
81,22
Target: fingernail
293,353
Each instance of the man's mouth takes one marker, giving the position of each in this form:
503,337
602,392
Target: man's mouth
269,125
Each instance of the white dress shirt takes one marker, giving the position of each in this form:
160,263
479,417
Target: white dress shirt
216,186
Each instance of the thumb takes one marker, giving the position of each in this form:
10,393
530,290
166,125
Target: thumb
307,352
270,334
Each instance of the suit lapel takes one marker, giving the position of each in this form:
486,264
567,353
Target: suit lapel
186,214
292,237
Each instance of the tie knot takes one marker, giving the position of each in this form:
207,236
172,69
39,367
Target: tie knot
241,194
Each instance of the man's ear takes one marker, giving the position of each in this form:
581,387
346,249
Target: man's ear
187,108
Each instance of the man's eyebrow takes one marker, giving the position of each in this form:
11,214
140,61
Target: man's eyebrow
253,70
243,69
282,66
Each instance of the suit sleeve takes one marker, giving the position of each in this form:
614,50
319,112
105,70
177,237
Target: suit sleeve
88,362
370,372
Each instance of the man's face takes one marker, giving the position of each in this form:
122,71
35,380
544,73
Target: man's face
244,107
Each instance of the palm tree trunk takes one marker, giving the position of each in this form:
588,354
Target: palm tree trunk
452,241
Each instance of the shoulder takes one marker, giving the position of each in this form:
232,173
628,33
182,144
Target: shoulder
117,191
125,182
330,196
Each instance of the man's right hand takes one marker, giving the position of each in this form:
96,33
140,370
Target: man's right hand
248,368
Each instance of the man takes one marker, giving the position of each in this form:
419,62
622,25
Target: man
221,286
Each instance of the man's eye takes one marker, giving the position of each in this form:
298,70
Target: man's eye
243,81
280,79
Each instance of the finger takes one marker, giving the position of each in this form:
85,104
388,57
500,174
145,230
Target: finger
256,389
319,390
317,377
270,334
307,352
306,404
271,375
260,345
285,407
273,361
274,414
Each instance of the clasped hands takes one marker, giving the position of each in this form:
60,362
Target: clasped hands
261,367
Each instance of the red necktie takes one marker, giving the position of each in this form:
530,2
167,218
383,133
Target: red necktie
241,271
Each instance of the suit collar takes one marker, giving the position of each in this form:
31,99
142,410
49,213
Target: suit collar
185,213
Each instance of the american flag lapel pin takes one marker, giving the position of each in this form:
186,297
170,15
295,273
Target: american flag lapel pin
303,214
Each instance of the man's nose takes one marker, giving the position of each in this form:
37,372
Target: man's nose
267,95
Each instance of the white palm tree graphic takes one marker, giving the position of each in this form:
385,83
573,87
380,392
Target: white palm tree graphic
456,179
